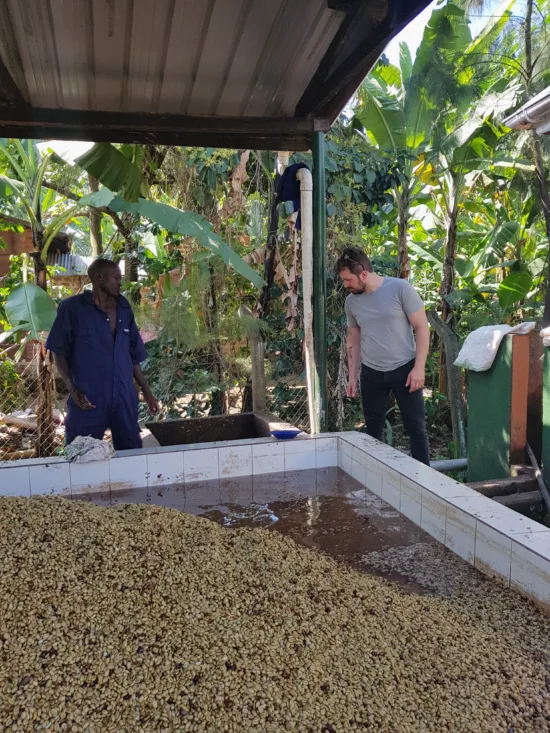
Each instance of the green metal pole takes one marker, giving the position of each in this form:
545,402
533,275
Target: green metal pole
320,280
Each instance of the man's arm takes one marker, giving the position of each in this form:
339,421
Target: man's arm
79,398
354,360
148,395
417,376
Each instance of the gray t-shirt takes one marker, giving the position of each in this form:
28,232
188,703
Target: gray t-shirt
387,340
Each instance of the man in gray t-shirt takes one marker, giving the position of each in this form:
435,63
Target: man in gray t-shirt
384,315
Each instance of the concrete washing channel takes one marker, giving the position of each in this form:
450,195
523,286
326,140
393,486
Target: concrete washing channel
495,540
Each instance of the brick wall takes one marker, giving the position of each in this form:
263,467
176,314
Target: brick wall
17,244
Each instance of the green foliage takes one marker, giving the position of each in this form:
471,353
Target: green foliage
11,385
29,309
114,170
186,223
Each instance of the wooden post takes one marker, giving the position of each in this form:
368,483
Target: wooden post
546,417
519,398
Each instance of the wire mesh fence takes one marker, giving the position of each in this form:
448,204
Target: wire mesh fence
31,411
286,381
212,380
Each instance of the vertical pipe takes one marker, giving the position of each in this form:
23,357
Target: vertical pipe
306,215
320,278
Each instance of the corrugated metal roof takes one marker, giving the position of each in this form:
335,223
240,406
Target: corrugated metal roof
224,73
68,265
207,57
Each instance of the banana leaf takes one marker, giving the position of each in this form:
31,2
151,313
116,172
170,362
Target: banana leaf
29,308
113,170
187,223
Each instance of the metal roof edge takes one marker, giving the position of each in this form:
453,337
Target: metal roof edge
532,113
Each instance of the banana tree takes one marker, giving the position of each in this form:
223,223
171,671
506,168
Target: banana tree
394,113
24,186
186,223
31,312
461,151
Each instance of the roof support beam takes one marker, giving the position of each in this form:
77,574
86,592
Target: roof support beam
228,132
9,91
341,71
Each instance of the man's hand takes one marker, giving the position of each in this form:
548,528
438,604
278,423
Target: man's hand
351,390
416,379
80,399
151,401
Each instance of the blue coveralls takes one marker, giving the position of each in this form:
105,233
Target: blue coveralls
102,367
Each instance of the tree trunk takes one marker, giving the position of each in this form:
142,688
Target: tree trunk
261,308
219,396
44,446
456,402
40,273
96,238
545,198
130,260
403,262
537,153
448,280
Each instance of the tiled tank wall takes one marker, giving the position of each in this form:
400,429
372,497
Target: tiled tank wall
493,538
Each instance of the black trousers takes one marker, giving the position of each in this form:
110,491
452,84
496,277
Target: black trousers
375,393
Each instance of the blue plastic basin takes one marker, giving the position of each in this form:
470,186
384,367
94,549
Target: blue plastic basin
285,434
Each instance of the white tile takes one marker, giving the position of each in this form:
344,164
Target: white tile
358,471
129,472
299,446
373,476
530,573
326,444
362,440
439,484
493,553
300,461
50,478
327,458
433,518
262,465
273,450
165,468
201,465
498,517
375,466
460,533
538,542
411,500
235,461
346,463
87,477
347,448
391,487
15,481
358,454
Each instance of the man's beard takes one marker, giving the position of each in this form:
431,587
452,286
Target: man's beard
355,291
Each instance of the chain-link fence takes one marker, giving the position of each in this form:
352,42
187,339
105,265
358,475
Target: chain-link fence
286,381
31,411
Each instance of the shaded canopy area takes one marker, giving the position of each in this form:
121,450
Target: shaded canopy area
220,73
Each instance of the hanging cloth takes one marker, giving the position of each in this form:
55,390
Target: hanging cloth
288,189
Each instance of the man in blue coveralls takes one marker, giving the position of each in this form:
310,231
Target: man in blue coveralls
98,351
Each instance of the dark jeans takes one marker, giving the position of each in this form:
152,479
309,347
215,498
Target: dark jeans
375,393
